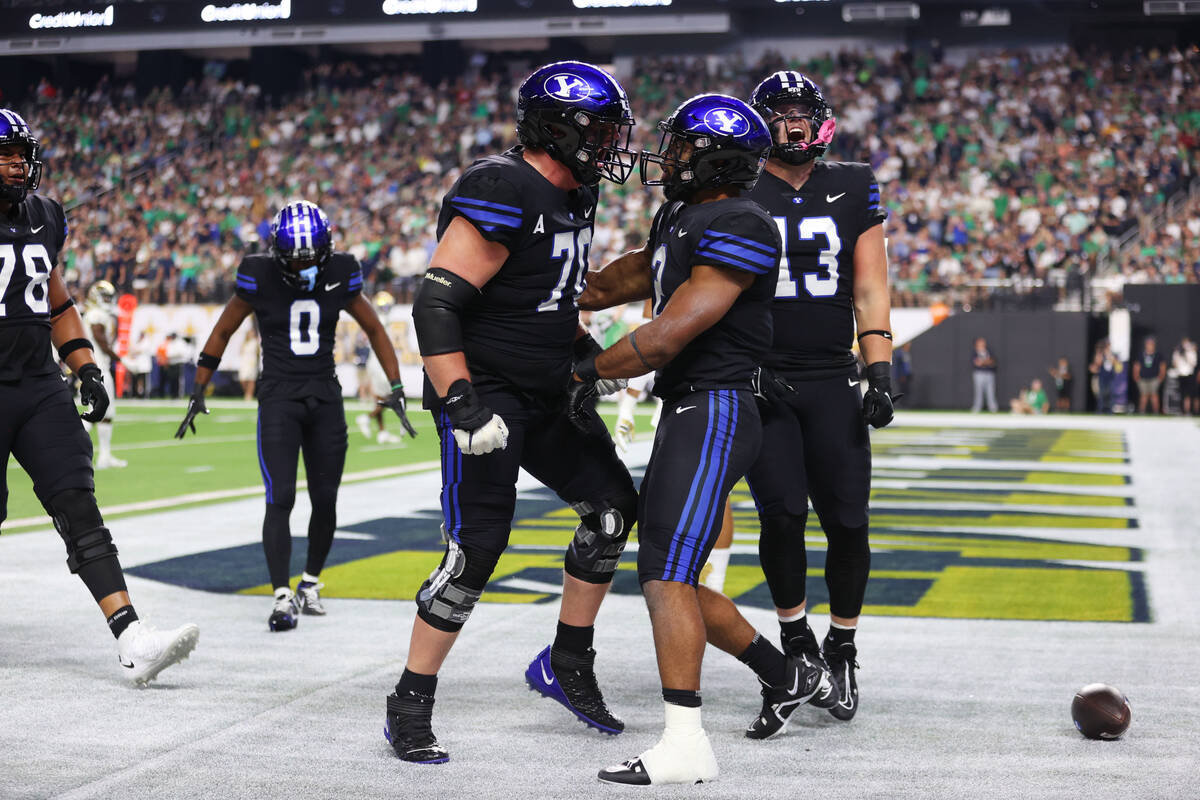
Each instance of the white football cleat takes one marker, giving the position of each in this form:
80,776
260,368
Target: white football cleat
623,436
679,757
109,461
387,437
144,651
364,424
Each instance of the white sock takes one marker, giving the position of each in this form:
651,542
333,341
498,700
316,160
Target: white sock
794,617
104,433
719,561
306,578
833,624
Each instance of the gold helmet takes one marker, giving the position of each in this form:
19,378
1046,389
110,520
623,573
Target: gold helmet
384,300
102,294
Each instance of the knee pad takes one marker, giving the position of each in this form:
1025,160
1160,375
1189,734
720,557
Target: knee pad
77,520
783,557
447,598
600,539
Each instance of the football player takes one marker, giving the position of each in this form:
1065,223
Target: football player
100,315
296,292
41,425
710,266
832,279
379,384
497,323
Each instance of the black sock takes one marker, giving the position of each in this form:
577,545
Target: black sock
796,629
768,663
573,639
416,683
682,697
840,636
121,619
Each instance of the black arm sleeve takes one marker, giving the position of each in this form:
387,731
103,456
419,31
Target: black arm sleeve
437,311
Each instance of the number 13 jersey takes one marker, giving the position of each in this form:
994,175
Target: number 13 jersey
814,298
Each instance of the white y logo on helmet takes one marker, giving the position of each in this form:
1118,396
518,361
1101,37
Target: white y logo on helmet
566,86
726,122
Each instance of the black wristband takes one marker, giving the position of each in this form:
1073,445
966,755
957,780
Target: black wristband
71,346
208,361
586,370
885,334
397,384
54,312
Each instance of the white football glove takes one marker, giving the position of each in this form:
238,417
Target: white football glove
607,386
492,435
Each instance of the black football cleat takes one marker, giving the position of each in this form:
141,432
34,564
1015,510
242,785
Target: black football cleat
627,773
842,663
805,680
806,645
570,679
409,729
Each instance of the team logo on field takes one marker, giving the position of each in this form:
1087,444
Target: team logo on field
726,122
566,86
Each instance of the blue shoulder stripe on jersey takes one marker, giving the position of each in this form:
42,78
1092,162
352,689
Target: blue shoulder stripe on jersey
501,207
757,245
241,276
487,220
755,255
243,284
873,196
733,261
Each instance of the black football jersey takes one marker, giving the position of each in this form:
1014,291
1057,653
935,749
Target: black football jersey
814,299
31,238
521,330
734,233
297,327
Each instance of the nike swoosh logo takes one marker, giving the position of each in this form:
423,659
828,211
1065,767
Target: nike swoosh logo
329,287
795,684
35,230
549,679
682,409
852,381
587,212
123,664
829,198
681,233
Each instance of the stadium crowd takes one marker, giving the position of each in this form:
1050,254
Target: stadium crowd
1009,177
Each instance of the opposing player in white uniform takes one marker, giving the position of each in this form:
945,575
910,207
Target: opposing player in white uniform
378,382
100,315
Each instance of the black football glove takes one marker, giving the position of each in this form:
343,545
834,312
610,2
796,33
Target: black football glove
92,392
878,406
588,348
769,389
398,403
581,404
476,429
195,406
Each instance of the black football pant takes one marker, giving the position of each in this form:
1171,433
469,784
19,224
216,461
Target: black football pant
705,442
479,493
40,425
815,444
288,426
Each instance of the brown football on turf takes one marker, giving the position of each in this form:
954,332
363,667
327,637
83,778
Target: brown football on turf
1101,711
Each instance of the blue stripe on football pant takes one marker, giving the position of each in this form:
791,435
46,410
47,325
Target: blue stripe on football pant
721,258
711,498
262,462
717,507
762,247
451,479
699,511
669,569
744,253
487,204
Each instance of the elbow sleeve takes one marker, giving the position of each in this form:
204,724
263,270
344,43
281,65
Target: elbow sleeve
437,311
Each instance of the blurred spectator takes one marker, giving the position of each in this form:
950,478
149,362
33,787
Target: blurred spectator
983,376
902,367
1106,369
1183,361
1064,383
1148,372
248,364
1032,400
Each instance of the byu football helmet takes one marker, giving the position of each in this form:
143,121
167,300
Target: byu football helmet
301,233
788,95
580,116
13,130
711,140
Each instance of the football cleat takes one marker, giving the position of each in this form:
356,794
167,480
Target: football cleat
408,728
285,613
109,461
308,598
842,663
679,757
387,437
145,652
623,435
805,680
806,645
573,683
364,425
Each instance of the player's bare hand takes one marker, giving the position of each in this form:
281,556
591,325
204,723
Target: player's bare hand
92,392
476,429
397,402
195,406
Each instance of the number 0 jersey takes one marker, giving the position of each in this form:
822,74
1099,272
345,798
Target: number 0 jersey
520,331
814,299
297,327
31,237
734,233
